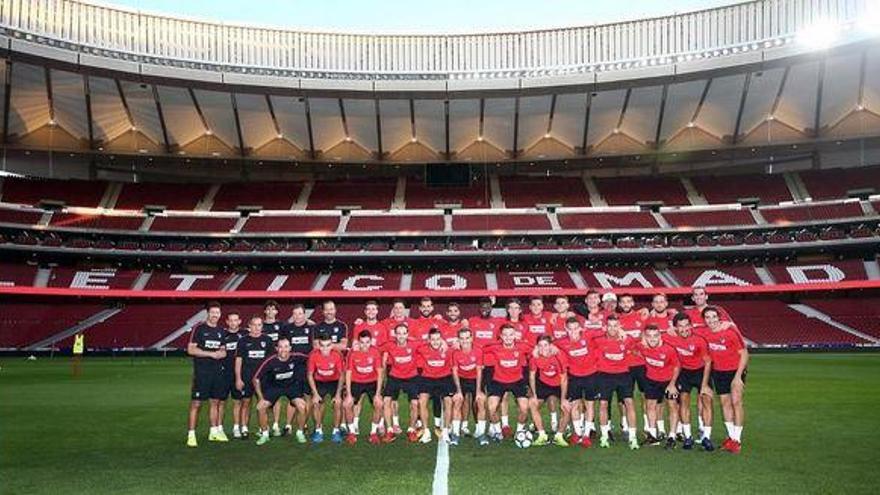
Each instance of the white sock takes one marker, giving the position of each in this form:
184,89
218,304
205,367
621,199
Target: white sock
264,433
374,427
456,426
579,428
644,420
495,428
632,435
520,426
624,424
236,427
395,420
605,429
275,425
438,422
651,431
319,430
679,430
554,420
589,426
352,428
728,425
661,426
700,422
737,433
481,428
192,432
686,430
707,432
505,421
464,425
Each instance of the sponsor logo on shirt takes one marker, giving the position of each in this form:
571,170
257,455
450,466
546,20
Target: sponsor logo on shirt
213,344
484,334
231,346
364,369
257,354
614,356
299,340
578,352
326,372
655,362
403,359
509,363
284,376
717,347
434,363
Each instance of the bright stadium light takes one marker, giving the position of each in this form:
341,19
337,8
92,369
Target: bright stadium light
819,35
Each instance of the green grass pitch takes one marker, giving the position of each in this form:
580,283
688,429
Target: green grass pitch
811,427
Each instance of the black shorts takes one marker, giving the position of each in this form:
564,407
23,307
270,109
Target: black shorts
721,380
488,371
615,383
437,388
468,386
326,388
359,389
292,392
247,376
639,377
656,390
583,387
209,383
519,389
689,380
544,391
394,386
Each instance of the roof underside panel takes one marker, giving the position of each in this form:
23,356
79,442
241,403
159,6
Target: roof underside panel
797,106
143,109
326,122
181,119
681,103
763,88
534,114
718,114
217,109
568,118
499,122
640,121
257,127
29,105
464,123
109,119
396,125
604,115
70,104
840,91
360,115
291,115
431,123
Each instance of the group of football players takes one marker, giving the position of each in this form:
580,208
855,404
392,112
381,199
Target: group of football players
572,361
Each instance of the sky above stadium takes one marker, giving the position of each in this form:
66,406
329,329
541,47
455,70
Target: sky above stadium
415,16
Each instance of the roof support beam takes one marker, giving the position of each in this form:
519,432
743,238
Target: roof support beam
312,152
863,63
515,150
552,113
238,133
703,95
742,105
161,119
7,99
623,110
125,106
446,126
275,125
779,91
817,117
660,116
88,95
586,123
412,119
50,96
482,116
195,102
379,148
344,120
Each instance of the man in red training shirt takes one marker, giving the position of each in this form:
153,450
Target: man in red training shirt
696,367
484,328
363,376
508,360
662,369
325,368
729,360
581,358
614,379
434,361
399,359
467,373
379,331
537,321
547,378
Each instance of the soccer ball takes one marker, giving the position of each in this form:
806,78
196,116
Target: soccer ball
523,439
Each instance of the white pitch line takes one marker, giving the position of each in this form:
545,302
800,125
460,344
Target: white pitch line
441,469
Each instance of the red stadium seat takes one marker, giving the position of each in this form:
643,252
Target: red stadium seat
770,189
809,213
70,192
92,222
267,195
607,220
367,194
708,218
171,196
500,222
834,183
395,223
633,190
526,192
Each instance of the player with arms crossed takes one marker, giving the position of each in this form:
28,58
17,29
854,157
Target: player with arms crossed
662,370
252,350
231,337
277,378
325,370
363,376
209,383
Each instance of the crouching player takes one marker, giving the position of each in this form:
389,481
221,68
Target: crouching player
614,378
696,367
435,383
324,372
547,378
661,372
508,360
363,375
729,360
467,373
277,378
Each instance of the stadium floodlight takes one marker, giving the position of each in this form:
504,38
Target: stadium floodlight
819,35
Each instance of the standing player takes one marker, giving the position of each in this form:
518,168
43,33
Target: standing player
614,379
609,303
252,350
660,315
230,343
434,362
591,311
299,332
425,321
271,325
363,375
399,360
380,333
537,321
700,298
547,378
662,370
325,370
206,348
467,374
696,368
452,324
729,360
337,330
484,328
508,360
277,378
583,387
632,321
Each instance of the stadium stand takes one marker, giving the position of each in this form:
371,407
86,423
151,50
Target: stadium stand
862,314
621,191
365,194
526,192
266,195
607,220
809,213
24,323
96,222
500,222
171,196
69,192
23,217
838,182
291,223
420,196
775,323
769,189
708,218
395,223
192,224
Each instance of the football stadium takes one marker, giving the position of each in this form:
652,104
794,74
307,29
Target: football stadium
636,252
